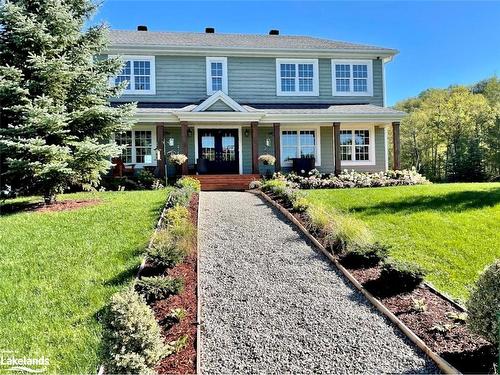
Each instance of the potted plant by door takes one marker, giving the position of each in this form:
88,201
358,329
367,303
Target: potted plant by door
268,160
178,160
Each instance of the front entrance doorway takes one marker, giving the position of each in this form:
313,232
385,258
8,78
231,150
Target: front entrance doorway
218,151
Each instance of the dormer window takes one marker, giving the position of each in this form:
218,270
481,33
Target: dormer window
297,77
139,73
352,78
216,75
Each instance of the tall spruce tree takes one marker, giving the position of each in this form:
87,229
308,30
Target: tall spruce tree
56,121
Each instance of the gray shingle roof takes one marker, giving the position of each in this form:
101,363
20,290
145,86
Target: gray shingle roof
190,39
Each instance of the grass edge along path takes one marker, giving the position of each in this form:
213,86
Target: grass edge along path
59,270
452,230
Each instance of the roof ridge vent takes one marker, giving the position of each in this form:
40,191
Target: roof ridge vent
209,30
274,32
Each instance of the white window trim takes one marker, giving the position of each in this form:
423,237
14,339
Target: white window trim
152,79
371,148
317,156
314,92
153,146
369,83
209,61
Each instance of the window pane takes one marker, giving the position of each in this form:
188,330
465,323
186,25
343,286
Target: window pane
289,138
216,83
346,145
228,147
305,84
362,141
342,85
360,85
287,84
143,146
360,71
142,83
125,139
142,68
287,72
216,68
289,152
342,71
208,147
124,75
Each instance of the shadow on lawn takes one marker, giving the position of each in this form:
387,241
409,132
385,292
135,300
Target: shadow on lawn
453,202
9,208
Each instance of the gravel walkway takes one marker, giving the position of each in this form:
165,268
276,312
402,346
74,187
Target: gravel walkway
272,304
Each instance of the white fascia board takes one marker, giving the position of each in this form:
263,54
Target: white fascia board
305,118
219,116
253,52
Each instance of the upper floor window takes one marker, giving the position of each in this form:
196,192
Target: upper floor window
297,77
216,75
139,73
352,78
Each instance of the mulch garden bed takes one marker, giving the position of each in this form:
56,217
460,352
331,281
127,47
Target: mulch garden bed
184,361
65,205
437,326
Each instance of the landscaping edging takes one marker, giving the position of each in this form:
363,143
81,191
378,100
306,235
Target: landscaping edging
442,364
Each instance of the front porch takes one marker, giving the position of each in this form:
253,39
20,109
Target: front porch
226,182
222,137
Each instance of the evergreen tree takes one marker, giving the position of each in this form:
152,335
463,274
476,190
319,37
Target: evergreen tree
55,119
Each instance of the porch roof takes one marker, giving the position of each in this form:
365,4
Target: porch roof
330,113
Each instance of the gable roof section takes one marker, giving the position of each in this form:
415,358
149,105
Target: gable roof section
126,39
216,98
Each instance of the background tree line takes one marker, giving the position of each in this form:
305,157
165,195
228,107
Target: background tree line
453,134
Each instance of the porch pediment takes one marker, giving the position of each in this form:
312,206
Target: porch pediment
219,102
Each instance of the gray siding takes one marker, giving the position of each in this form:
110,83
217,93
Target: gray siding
219,106
250,80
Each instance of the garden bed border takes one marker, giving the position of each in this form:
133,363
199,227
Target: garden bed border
198,294
441,363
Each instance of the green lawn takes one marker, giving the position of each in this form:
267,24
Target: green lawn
452,230
58,270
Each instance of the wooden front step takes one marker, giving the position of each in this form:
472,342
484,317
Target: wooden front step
226,181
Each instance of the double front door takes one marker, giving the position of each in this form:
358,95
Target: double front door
218,151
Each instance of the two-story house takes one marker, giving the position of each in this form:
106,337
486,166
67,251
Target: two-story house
225,99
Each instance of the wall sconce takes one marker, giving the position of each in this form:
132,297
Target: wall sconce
190,132
170,142
158,153
247,133
268,142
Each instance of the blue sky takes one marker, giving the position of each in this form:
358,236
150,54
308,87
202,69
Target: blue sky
440,43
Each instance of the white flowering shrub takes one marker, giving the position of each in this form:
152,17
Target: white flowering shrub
484,304
352,179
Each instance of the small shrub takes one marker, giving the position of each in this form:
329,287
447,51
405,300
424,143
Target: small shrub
145,178
180,343
419,305
178,314
275,186
165,251
189,182
300,204
157,287
181,196
178,224
255,185
401,275
364,256
484,304
457,317
132,337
